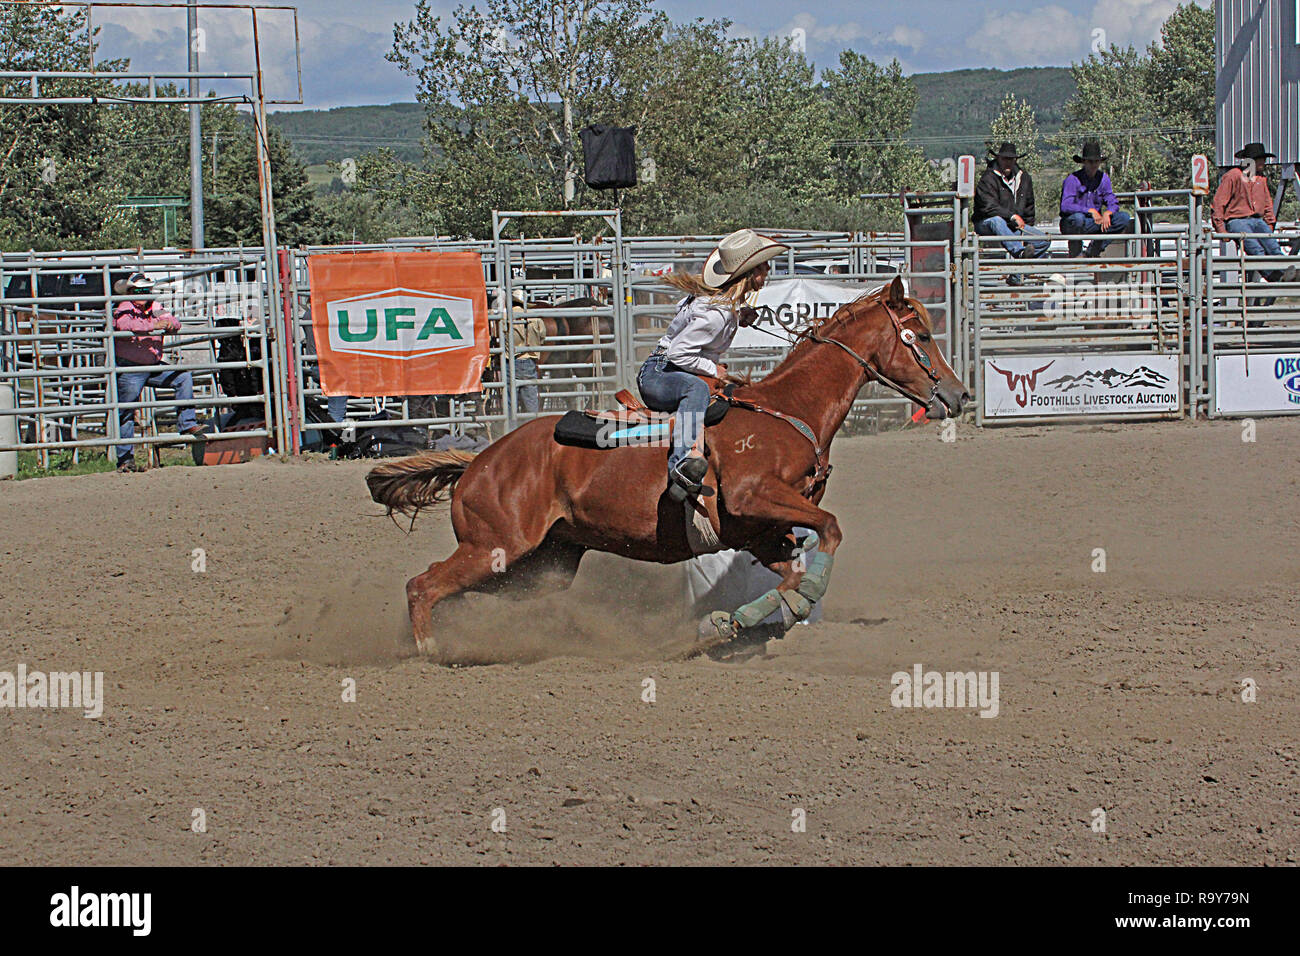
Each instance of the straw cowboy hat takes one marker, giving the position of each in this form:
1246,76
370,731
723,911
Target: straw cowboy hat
138,282
737,254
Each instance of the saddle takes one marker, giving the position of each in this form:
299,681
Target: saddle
632,423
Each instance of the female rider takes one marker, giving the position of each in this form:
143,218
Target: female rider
706,322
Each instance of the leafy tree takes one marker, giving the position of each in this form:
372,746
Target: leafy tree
871,111
1015,123
56,186
508,88
1180,76
1150,110
690,118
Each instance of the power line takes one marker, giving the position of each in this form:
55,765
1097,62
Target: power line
966,138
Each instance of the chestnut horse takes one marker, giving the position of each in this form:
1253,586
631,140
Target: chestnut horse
528,506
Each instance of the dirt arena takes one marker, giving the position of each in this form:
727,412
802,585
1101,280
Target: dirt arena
1118,690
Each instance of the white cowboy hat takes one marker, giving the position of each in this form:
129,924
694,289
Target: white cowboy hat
737,254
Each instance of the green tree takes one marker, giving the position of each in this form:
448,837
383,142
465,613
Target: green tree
690,117
509,87
871,113
1016,123
56,187
1151,110
1180,76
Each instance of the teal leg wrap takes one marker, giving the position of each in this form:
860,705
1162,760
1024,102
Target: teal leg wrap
817,576
757,609
798,605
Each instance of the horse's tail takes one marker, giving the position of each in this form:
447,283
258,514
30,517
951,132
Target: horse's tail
409,484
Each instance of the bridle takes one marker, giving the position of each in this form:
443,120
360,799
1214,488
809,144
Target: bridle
822,468
909,339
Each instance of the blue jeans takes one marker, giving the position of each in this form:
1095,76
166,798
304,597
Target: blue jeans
666,388
526,370
1256,226
337,406
997,226
1080,223
131,384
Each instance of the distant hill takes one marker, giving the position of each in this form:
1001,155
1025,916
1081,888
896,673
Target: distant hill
324,135
952,115
954,109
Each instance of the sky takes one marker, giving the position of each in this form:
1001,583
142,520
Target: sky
343,42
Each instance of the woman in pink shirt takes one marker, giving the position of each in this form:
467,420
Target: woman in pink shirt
146,319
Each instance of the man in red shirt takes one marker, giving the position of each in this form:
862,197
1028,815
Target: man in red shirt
1243,204
146,319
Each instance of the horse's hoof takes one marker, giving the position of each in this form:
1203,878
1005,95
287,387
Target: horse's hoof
718,626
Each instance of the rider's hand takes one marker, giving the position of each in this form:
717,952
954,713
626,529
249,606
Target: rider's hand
722,372
747,316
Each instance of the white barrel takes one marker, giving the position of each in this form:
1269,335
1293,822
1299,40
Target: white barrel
8,430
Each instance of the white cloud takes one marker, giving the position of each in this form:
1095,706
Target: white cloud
1041,36
909,37
1054,35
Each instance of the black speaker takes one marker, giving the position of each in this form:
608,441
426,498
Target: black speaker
609,156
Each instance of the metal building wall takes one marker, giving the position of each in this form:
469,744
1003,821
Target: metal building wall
1257,70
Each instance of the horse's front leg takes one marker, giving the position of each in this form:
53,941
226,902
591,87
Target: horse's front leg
805,575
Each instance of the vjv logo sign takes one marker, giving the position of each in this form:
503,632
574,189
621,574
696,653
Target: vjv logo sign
401,324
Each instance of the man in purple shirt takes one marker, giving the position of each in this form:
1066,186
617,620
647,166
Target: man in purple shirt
1088,204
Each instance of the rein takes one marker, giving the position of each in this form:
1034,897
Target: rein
906,336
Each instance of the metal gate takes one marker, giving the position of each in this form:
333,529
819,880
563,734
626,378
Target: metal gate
61,370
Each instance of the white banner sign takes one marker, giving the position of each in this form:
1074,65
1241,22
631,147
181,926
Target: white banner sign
1025,386
1268,382
795,302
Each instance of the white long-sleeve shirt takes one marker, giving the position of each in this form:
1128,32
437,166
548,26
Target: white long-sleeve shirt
699,334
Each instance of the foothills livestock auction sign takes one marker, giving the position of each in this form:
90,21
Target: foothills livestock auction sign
399,323
794,303
1033,386
1260,382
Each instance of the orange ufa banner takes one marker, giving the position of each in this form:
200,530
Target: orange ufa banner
399,323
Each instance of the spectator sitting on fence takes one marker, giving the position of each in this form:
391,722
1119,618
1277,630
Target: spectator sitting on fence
146,318
1088,203
1004,206
1243,204
529,334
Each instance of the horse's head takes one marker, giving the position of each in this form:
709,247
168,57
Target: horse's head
892,333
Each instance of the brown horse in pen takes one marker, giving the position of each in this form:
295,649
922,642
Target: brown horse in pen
528,506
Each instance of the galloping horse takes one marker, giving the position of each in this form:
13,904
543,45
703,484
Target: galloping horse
533,506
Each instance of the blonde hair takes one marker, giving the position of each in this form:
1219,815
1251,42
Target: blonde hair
733,293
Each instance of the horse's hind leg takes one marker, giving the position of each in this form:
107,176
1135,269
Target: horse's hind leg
469,565
552,565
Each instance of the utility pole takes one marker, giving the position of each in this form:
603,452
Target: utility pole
196,130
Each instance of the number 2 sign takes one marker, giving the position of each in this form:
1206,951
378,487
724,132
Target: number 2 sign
1200,175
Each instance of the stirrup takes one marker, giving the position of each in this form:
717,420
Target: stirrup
687,479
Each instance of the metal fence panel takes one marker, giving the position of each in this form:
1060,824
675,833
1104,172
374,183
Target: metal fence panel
59,362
